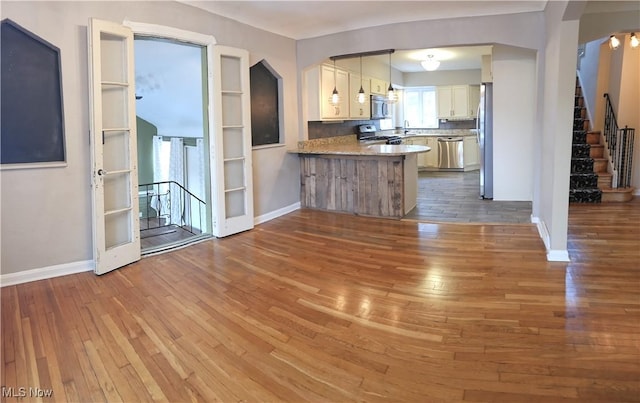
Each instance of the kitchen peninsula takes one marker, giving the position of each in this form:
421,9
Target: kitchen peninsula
344,175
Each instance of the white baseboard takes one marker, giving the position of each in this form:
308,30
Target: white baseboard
558,255
553,255
45,272
636,192
88,265
275,214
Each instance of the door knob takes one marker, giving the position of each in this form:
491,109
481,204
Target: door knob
102,172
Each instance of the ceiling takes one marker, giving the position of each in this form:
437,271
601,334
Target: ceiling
307,19
453,58
302,19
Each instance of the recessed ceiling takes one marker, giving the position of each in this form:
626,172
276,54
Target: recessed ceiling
308,19
453,58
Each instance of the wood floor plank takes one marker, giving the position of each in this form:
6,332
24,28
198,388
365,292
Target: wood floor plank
314,306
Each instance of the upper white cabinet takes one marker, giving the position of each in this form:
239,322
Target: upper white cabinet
320,82
356,109
474,100
458,101
379,87
486,73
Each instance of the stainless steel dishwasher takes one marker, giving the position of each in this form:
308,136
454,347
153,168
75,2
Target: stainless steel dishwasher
450,153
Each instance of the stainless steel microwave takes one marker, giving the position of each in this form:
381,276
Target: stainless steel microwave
379,107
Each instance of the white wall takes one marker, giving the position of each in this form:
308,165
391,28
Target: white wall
588,66
46,213
556,103
448,77
514,101
629,99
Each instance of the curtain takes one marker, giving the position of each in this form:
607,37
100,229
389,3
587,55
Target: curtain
195,184
176,174
198,186
155,192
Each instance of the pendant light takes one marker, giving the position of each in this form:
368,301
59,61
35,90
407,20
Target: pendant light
391,95
633,40
614,42
361,96
335,97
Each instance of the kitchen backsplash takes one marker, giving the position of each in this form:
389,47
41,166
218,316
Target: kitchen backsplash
320,130
457,124
324,129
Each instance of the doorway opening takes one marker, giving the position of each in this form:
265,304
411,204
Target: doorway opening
173,137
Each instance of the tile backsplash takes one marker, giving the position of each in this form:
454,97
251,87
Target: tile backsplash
324,129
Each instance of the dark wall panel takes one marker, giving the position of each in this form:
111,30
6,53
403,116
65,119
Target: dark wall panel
265,117
32,128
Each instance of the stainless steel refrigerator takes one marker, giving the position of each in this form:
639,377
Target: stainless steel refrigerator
485,140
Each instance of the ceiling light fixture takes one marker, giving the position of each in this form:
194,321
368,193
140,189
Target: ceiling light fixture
335,97
391,95
633,40
430,64
614,42
361,96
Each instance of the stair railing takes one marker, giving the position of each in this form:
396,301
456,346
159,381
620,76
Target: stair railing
169,203
620,146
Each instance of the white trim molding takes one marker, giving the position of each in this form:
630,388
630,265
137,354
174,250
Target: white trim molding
163,31
276,213
557,255
553,255
44,273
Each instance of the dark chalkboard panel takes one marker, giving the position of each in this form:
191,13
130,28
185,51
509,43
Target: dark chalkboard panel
32,128
265,116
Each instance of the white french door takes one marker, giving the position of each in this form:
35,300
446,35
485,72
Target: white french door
230,152
116,226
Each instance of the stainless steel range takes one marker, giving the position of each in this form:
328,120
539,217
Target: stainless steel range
369,133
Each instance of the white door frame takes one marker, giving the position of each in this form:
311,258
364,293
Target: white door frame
208,42
225,220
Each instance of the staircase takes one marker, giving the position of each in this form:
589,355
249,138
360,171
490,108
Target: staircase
590,180
586,157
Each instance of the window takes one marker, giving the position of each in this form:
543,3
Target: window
420,108
265,105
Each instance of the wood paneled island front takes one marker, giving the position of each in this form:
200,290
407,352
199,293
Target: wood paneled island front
374,180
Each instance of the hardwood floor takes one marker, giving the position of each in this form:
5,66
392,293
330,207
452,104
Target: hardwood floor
455,197
325,307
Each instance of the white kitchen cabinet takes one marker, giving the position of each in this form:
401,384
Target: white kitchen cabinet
356,109
379,87
474,100
420,141
431,158
471,153
319,84
486,73
458,101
